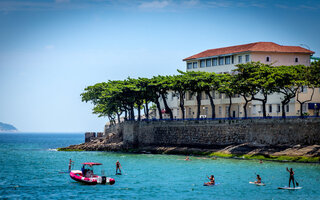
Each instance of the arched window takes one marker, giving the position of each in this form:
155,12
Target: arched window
267,59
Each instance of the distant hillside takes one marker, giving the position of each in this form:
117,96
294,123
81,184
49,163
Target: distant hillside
7,127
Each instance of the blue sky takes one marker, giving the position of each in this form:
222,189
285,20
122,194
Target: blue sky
51,50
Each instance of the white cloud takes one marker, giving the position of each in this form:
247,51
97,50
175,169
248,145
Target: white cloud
154,5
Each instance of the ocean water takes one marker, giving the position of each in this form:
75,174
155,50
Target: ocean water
30,170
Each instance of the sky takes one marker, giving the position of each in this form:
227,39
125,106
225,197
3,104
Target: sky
50,50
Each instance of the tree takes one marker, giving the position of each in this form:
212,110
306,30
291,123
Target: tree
311,78
227,88
288,80
211,83
260,80
194,83
161,86
179,85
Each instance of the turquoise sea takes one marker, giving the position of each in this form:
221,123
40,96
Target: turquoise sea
30,169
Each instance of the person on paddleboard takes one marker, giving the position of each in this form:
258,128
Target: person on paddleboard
118,166
70,163
212,181
258,179
291,177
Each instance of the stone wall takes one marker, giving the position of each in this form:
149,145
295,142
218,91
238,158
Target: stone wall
208,133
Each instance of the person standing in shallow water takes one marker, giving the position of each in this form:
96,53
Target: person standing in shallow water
118,166
70,164
291,177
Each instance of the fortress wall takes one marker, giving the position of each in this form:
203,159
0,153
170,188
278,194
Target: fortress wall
210,133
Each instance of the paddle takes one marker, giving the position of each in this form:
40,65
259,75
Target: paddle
297,184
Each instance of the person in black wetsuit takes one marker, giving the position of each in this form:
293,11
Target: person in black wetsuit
118,166
291,177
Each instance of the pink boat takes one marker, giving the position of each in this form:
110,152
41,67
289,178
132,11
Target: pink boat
85,175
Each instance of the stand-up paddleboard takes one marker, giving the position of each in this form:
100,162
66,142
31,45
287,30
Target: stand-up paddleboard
118,173
205,184
258,184
289,188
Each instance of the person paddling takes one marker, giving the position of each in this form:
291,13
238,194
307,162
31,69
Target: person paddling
258,179
70,163
291,176
118,166
212,181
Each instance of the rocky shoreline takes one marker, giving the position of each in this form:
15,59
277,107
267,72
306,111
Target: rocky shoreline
297,153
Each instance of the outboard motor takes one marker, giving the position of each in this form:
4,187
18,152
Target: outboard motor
104,180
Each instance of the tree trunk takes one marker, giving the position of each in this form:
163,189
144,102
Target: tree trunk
118,115
147,110
213,107
159,108
245,106
139,112
182,104
264,111
166,105
132,112
283,109
199,104
302,102
230,104
125,115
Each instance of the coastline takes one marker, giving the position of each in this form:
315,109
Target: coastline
297,153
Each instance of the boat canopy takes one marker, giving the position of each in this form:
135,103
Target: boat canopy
91,163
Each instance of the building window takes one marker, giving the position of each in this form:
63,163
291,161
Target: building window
227,111
232,59
189,65
202,63
287,108
208,62
221,61
296,60
278,108
247,58
214,94
270,108
190,96
239,59
304,89
220,110
254,109
214,62
207,96
267,59
304,107
195,65
227,60
190,111
220,95
178,112
206,111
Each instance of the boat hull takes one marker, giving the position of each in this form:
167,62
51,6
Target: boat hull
92,180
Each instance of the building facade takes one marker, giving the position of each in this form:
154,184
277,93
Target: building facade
224,60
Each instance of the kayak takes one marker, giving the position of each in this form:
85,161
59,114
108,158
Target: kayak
258,184
289,188
92,179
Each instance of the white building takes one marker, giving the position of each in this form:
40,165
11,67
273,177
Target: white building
223,60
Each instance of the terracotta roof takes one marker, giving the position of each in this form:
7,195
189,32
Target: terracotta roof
252,47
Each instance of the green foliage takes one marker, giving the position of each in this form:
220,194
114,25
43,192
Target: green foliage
114,97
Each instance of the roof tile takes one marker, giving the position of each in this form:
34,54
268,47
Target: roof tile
252,47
